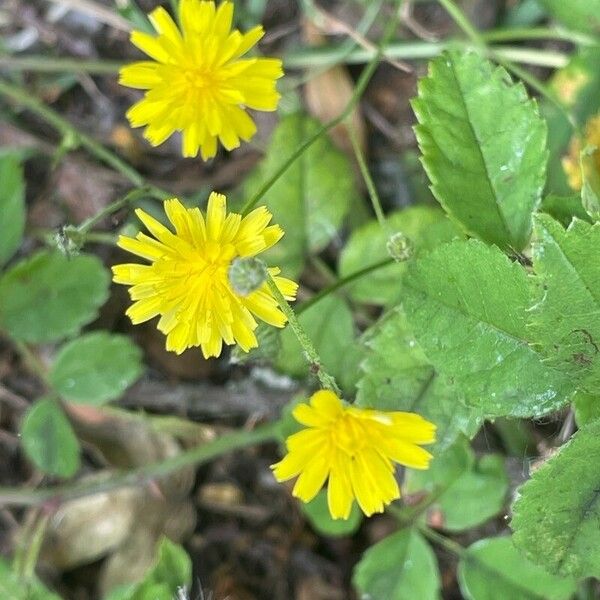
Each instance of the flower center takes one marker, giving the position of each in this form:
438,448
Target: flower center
199,80
348,435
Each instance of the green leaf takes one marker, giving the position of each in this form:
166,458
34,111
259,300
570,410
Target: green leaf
564,208
493,568
467,304
12,587
12,205
330,326
483,145
425,227
590,191
49,296
587,408
565,320
583,15
48,439
96,368
173,570
317,513
398,376
401,567
468,491
557,512
311,199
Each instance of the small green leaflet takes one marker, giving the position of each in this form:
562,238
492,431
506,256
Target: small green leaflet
96,368
49,440
398,376
565,319
493,568
12,205
484,147
467,305
311,199
557,512
583,15
400,567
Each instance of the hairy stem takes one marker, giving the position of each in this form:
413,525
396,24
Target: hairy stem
312,356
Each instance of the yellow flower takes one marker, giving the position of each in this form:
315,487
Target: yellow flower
572,164
356,449
197,82
187,282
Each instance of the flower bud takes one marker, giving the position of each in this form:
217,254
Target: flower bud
399,247
246,275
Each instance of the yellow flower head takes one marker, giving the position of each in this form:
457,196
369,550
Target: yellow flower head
356,449
571,163
187,281
197,82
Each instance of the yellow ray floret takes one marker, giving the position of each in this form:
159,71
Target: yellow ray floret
187,283
355,450
197,81
571,162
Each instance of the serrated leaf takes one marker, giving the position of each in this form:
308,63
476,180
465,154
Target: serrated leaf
311,199
483,145
590,191
96,368
317,513
564,208
565,320
467,305
587,408
330,326
12,205
493,568
424,226
583,15
48,439
48,296
398,376
401,567
467,491
556,516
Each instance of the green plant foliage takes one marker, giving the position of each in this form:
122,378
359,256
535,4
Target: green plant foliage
172,571
311,199
565,320
401,567
583,15
12,205
468,491
49,440
96,368
587,408
12,587
49,296
467,304
564,208
329,325
493,568
483,145
424,226
590,191
557,512
317,513
398,376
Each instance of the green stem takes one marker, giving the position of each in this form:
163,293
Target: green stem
343,282
113,207
364,170
34,364
312,357
442,541
361,85
25,99
142,475
461,20
28,548
43,64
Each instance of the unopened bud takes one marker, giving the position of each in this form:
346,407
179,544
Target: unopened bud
69,240
399,247
246,275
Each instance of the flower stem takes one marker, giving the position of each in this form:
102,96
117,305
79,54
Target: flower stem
25,99
30,544
312,356
361,85
343,282
136,477
442,541
364,170
459,17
